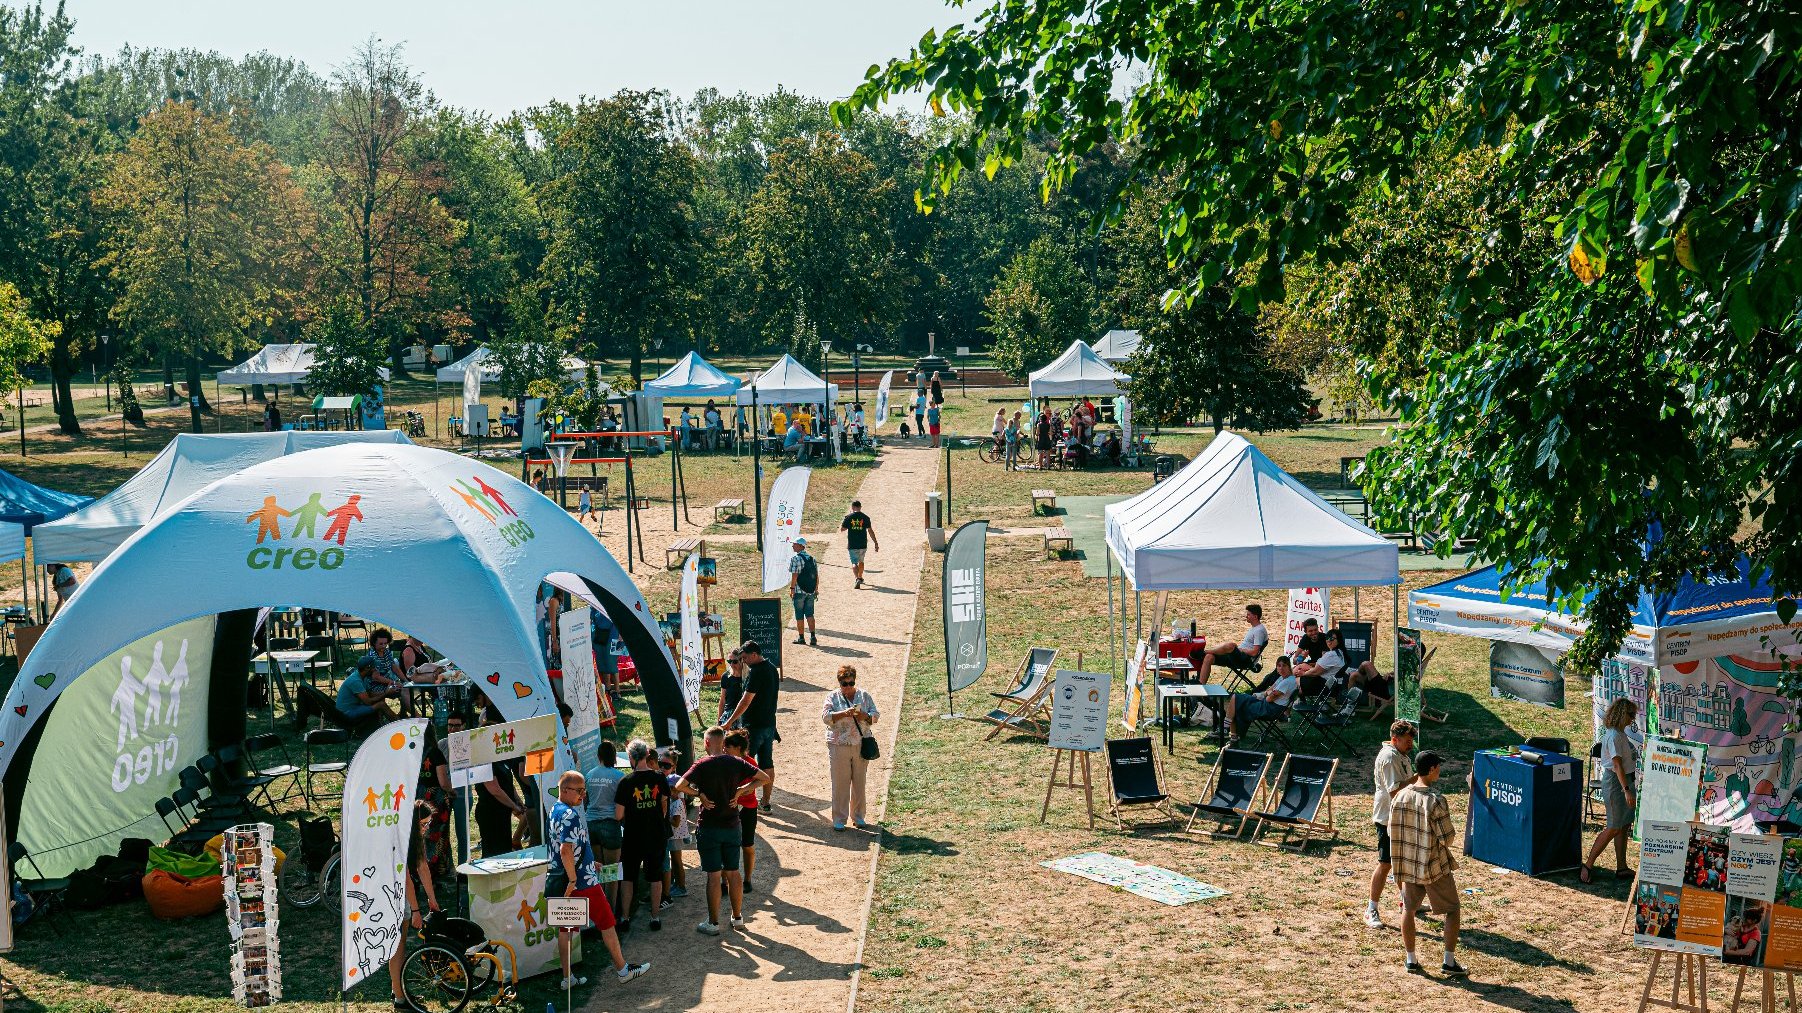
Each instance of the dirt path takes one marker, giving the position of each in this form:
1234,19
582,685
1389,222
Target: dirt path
805,921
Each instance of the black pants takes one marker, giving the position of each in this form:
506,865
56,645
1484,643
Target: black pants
494,827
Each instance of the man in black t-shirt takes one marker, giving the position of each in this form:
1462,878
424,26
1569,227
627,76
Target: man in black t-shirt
756,712
717,780
641,804
860,534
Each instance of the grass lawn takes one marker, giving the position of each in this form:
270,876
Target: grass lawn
965,919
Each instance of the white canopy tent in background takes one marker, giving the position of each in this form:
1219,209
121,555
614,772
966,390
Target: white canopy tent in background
1232,519
694,377
1116,345
787,382
273,364
1079,372
573,367
190,462
330,529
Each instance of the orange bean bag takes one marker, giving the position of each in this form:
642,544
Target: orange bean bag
172,896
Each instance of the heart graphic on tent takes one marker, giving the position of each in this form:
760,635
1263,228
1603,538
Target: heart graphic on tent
495,679
46,680
521,690
19,710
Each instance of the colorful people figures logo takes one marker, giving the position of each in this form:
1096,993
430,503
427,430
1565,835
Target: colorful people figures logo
305,518
147,708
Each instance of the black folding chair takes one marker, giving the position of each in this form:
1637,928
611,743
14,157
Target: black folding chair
260,773
322,738
46,894
1303,785
1232,790
1330,723
1135,781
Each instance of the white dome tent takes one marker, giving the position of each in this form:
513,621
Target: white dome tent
443,547
573,367
274,364
1079,372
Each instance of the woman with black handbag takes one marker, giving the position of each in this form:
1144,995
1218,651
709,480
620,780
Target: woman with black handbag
849,715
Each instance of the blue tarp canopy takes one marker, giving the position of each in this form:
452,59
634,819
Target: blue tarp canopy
1701,619
27,504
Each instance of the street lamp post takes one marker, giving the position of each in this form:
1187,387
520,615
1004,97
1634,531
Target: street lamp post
657,346
105,353
826,377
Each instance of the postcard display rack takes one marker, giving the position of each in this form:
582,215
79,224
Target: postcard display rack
250,914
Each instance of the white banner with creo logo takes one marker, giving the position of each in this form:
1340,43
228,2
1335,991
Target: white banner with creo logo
782,524
1305,603
692,663
378,822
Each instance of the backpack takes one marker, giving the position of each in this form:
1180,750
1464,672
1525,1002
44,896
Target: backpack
809,580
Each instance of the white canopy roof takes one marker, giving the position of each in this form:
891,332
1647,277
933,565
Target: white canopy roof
787,382
694,376
334,529
573,367
1079,372
274,364
1232,519
190,463
1116,346
12,541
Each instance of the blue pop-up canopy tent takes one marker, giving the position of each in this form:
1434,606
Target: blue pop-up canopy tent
1701,619
30,505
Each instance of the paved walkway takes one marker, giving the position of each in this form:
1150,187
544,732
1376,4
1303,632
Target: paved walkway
805,922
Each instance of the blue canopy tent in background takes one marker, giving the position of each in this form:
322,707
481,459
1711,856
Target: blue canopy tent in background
1701,619
29,505
693,377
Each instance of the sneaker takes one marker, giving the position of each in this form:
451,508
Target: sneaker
801,640
838,826
813,641
863,824
656,925
573,981
402,1004
680,891
738,923
748,887
1453,969
766,808
859,583
1413,966
1372,918
631,971
708,929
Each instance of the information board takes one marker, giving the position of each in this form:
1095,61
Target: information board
760,619
1079,711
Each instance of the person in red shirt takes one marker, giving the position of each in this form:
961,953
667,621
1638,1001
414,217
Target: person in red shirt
747,812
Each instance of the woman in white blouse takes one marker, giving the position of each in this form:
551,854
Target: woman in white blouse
848,715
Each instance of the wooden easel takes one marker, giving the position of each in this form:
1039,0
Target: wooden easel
1067,758
1687,968
1768,993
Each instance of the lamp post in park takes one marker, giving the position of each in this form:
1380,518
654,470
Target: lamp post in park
105,349
657,346
826,384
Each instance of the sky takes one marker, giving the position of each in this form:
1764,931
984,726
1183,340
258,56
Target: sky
498,57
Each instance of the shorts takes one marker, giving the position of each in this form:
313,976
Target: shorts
747,827
803,603
1382,843
763,747
600,912
1236,658
1382,687
606,833
718,847
650,858
1442,893
856,556
933,428
357,711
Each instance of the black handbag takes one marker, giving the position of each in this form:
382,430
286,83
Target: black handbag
869,749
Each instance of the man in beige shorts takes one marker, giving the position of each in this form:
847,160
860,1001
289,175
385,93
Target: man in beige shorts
1421,835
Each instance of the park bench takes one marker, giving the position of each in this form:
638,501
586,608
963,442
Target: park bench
1048,497
1060,539
727,509
678,552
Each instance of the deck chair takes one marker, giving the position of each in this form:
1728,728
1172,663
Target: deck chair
1135,780
1232,791
1303,785
1023,706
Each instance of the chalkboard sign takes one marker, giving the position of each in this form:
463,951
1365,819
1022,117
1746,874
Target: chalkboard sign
760,619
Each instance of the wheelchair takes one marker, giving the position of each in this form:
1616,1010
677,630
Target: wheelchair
451,961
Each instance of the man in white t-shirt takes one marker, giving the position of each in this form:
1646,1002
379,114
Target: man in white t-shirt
1326,673
1244,708
1245,653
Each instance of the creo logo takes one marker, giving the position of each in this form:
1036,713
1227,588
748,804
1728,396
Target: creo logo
304,524
484,499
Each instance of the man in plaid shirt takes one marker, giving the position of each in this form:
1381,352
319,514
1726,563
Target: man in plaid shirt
1420,843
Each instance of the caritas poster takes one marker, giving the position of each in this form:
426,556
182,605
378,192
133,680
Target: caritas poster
1305,603
1733,707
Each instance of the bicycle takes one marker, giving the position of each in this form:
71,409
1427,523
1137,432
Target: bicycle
992,451
315,874
452,961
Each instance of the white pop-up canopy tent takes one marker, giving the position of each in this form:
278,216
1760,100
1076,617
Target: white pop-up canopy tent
1232,519
274,364
1117,345
1079,372
787,382
573,367
191,462
331,529
694,377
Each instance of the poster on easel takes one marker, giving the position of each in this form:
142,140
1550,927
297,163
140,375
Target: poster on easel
1670,773
1735,708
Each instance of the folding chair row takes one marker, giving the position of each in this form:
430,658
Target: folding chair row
1291,802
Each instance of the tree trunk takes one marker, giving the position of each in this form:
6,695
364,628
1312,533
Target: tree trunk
197,404
397,364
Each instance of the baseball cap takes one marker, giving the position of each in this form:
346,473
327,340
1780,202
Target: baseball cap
800,541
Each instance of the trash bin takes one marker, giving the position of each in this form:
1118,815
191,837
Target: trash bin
1162,468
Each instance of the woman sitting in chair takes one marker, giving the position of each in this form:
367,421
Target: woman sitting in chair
1244,708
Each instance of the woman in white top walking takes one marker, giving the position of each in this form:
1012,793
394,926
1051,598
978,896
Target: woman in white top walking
1619,760
848,715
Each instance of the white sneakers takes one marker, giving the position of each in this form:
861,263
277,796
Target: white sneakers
708,928
738,923
1372,917
631,971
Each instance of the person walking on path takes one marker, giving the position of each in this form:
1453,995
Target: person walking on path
860,533
715,781
1393,772
757,710
803,591
920,410
572,875
848,715
1618,760
1421,835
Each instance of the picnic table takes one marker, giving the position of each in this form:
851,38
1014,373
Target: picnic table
731,507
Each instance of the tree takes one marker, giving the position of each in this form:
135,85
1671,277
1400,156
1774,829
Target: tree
388,242
530,350
622,242
23,339
1041,303
498,242
1642,385
209,236
347,361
